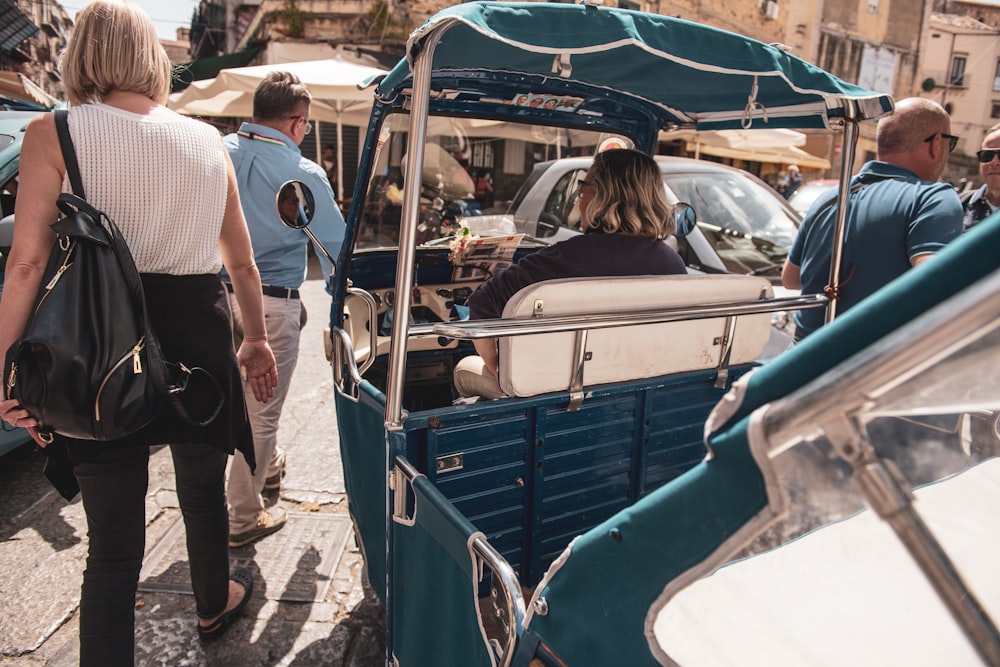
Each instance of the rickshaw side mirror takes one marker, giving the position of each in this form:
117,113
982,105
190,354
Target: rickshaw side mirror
295,204
685,218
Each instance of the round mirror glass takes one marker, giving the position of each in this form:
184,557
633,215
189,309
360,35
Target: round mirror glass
685,218
295,204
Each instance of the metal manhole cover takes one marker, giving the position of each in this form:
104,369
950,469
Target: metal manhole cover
295,564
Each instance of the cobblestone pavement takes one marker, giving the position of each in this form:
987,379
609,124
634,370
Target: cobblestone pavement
43,547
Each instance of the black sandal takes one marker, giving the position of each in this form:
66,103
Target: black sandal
215,630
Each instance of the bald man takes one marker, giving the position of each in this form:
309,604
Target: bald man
899,215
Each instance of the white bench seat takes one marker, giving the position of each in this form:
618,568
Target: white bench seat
541,363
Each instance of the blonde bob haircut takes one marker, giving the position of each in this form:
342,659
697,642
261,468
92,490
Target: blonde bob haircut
114,47
628,196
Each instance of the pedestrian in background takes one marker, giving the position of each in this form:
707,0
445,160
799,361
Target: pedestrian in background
329,162
983,202
793,181
265,154
899,214
181,218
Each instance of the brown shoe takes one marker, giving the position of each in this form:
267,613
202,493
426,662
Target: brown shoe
273,482
270,521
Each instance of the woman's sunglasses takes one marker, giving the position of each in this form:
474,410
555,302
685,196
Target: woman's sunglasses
987,155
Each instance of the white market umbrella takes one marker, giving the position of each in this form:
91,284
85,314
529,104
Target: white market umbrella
333,84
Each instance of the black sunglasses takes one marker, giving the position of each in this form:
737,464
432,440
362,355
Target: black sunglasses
987,154
950,137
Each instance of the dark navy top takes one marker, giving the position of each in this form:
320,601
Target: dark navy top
587,255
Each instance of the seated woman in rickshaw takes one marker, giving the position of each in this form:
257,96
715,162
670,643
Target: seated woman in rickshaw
625,217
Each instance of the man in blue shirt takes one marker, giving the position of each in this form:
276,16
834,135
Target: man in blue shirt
899,215
265,154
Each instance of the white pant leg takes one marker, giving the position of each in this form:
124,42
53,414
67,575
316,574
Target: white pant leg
472,378
282,317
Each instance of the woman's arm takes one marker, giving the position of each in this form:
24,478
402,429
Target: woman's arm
237,254
40,184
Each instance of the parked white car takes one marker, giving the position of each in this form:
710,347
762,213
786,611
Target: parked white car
743,225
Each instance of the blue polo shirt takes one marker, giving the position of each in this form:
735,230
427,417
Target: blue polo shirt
893,218
264,158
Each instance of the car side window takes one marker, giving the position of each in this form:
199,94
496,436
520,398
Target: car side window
561,206
8,194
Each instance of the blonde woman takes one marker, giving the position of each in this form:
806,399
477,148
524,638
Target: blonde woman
625,218
180,215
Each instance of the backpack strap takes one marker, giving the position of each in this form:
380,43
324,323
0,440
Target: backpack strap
69,152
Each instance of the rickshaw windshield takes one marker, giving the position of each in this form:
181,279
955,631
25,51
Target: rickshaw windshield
939,428
459,185
472,167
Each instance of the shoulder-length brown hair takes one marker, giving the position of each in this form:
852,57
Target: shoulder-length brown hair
628,195
114,47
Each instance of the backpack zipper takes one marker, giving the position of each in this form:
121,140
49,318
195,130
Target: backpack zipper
136,370
59,272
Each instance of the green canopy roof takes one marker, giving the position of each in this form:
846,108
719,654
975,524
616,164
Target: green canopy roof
728,80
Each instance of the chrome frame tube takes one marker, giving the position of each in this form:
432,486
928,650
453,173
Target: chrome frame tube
345,350
372,326
506,580
319,244
824,407
423,62
473,330
890,496
851,132
885,364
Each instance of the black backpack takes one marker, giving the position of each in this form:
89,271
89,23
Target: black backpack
87,365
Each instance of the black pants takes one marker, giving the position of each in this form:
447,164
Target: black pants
113,481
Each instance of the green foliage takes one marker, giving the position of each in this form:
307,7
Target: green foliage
295,19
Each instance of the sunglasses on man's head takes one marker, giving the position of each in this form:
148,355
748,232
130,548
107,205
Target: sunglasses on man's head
987,154
944,135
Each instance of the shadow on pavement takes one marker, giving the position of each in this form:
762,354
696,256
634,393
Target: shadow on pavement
25,490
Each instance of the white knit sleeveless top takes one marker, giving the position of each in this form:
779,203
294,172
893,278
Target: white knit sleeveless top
161,178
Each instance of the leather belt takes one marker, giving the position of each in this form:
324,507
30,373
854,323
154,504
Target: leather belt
273,290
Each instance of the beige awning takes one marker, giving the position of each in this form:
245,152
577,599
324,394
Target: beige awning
775,146
19,87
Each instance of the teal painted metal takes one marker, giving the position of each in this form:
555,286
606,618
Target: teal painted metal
617,570
434,593
680,525
535,475
529,463
362,450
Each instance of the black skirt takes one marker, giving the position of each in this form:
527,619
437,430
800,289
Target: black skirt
190,316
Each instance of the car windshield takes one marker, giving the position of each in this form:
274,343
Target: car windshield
746,223
804,197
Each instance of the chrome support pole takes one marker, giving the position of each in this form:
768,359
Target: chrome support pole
843,201
420,101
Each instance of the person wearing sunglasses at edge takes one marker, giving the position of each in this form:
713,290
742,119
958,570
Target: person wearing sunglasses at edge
265,155
899,216
181,219
984,201
625,218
